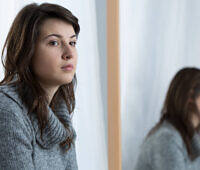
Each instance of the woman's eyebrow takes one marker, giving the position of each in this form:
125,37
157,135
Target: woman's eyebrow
73,36
58,35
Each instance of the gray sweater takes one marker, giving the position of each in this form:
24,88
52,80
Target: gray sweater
165,150
20,145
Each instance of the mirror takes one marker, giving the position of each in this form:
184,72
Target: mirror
157,39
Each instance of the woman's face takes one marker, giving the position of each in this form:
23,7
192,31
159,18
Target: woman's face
55,58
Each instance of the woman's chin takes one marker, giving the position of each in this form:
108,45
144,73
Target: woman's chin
66,81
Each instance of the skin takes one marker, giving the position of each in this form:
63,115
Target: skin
56,47
195,120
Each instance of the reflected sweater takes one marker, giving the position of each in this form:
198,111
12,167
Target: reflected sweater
165,150
21,147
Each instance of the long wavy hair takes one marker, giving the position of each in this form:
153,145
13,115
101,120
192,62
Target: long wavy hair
180,105
17,55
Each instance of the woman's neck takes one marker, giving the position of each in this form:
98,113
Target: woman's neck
50,91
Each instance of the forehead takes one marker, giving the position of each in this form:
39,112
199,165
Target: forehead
56,26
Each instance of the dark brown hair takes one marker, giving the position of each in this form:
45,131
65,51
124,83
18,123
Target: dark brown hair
19,50
180,105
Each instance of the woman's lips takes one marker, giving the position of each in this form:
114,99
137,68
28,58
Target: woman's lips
68,67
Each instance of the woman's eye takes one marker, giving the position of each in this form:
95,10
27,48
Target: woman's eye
53,43
73,43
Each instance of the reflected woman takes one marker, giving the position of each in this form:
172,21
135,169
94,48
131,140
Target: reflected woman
174,143
37,92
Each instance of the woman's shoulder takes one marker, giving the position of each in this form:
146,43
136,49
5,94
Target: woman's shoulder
165,134
12,112
11,105
164,144
9,98
166,139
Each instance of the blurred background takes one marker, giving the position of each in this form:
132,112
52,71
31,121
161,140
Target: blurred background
157,38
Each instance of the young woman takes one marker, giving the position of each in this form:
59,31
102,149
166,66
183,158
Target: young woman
174,143
37,92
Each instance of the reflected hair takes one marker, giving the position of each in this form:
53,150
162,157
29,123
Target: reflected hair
180,105
17,55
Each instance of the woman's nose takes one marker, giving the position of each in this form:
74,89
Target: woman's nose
67,56
68,53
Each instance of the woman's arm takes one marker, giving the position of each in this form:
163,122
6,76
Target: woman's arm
15,142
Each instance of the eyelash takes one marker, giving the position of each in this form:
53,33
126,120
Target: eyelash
52,43
72,43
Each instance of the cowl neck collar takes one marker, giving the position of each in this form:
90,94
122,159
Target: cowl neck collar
54,132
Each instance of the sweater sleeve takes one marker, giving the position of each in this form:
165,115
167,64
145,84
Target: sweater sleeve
15,143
